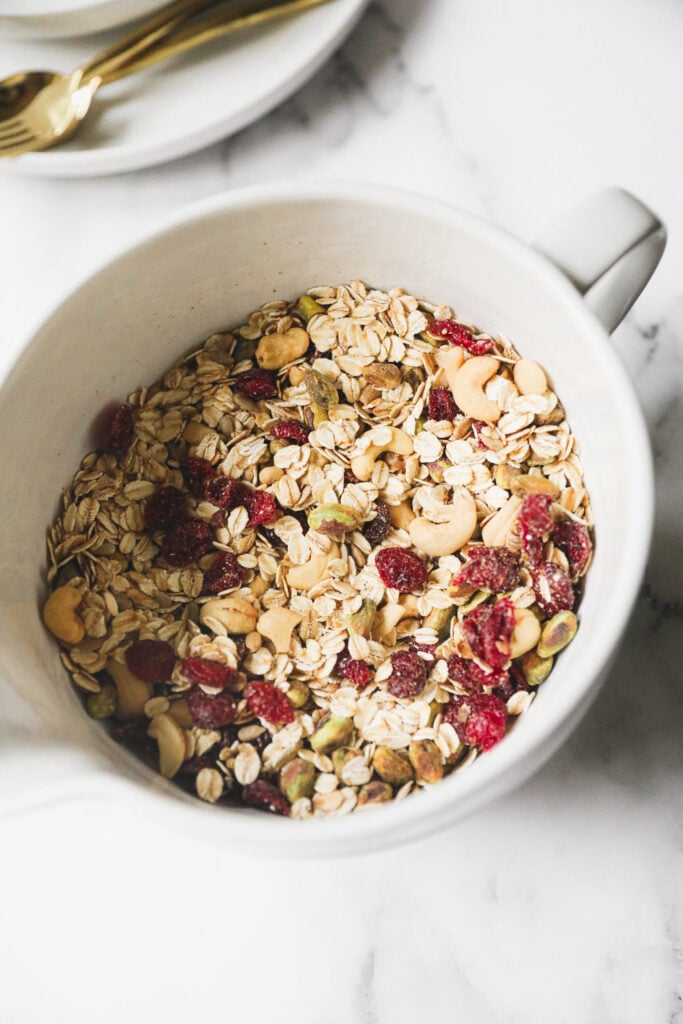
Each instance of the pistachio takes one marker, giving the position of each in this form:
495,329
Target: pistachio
307,307
392,766
276,350
298,694
374,793
529,483
425,758
102,704
68,572
297,779
472,602
334,520
382,375
557,633
437,469
360,623
439,619
413,375
321,390
244,349
341,757
536,669
235,614
334,732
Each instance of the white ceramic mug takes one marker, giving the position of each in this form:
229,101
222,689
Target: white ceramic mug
206,269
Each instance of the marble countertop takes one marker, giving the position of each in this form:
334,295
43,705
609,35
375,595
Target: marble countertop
561,903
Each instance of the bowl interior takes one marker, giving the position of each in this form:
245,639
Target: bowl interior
207,271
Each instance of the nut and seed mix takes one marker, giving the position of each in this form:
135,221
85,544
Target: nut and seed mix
327,560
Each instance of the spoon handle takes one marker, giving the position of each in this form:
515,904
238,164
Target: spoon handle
188,34
150,32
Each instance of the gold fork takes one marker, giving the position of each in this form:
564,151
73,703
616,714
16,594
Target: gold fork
39,109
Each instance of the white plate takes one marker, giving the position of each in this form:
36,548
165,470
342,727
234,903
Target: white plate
187,103
24,18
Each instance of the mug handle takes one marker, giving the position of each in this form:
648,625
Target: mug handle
608,247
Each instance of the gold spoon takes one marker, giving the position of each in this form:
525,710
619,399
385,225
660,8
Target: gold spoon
39,109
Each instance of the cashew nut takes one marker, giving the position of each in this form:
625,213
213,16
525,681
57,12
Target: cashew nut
363,465
438,539
171,740
195,432
276,350
303,577
386,619
529,378
270,475
526,632
496,531
529,483
450,360
277,625
409,604
468,388
180,713
132,693
59,614
234,614
401,515
258,586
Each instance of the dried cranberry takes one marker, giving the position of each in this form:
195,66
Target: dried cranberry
204,672
376,530
266,701
478,718
265,796
514,682
490,568
290,430
121,431
456,334
261,507
256,384
224,573
150,660
409,677
488,630
401,569
574,541
210,712
186,542
197,473
535,524
357,672
227,493
164,509
441,404
471,676
553,589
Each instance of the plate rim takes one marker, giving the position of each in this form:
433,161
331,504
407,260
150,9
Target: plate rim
97,162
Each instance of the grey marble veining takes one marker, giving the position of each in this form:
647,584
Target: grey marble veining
561,903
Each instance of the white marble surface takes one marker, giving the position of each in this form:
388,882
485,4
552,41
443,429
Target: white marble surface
562,903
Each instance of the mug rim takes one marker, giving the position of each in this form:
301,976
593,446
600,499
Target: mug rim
523,750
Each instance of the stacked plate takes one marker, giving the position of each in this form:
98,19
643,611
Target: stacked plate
175,107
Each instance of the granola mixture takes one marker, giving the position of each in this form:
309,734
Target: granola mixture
327,560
